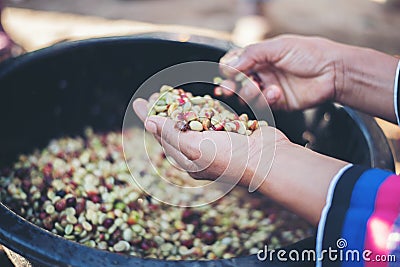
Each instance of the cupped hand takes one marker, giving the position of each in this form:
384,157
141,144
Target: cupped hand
296,72
265,161
211,155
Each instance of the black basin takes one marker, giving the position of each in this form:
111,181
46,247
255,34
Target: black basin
62,89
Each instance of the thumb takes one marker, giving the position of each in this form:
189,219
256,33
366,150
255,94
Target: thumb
140,108
267,52
185,142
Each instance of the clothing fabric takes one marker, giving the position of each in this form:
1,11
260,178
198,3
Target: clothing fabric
361,224
397,93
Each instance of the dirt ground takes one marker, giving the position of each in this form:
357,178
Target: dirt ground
360,22
213,14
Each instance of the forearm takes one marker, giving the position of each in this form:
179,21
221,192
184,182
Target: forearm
362,209
301,185
365,81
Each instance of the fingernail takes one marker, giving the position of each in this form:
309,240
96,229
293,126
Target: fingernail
271,95
233,61
151,126
246,87
218,91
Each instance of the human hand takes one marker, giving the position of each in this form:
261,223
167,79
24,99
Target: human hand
301,72
265,161
297,72
230,157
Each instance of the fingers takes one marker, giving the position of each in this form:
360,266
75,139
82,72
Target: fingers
228,60
253,88
249,91
186,142
165,130
231,56
184,163
267,52
276,97
227,88
181,159
258,57
273,94
140,108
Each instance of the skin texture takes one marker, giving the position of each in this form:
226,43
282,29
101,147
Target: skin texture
301,72
266,157
297,73
292,78
5,42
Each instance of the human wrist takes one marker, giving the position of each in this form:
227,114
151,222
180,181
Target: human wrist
296,172
365,80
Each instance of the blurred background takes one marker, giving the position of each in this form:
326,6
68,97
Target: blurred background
34,24
38,23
